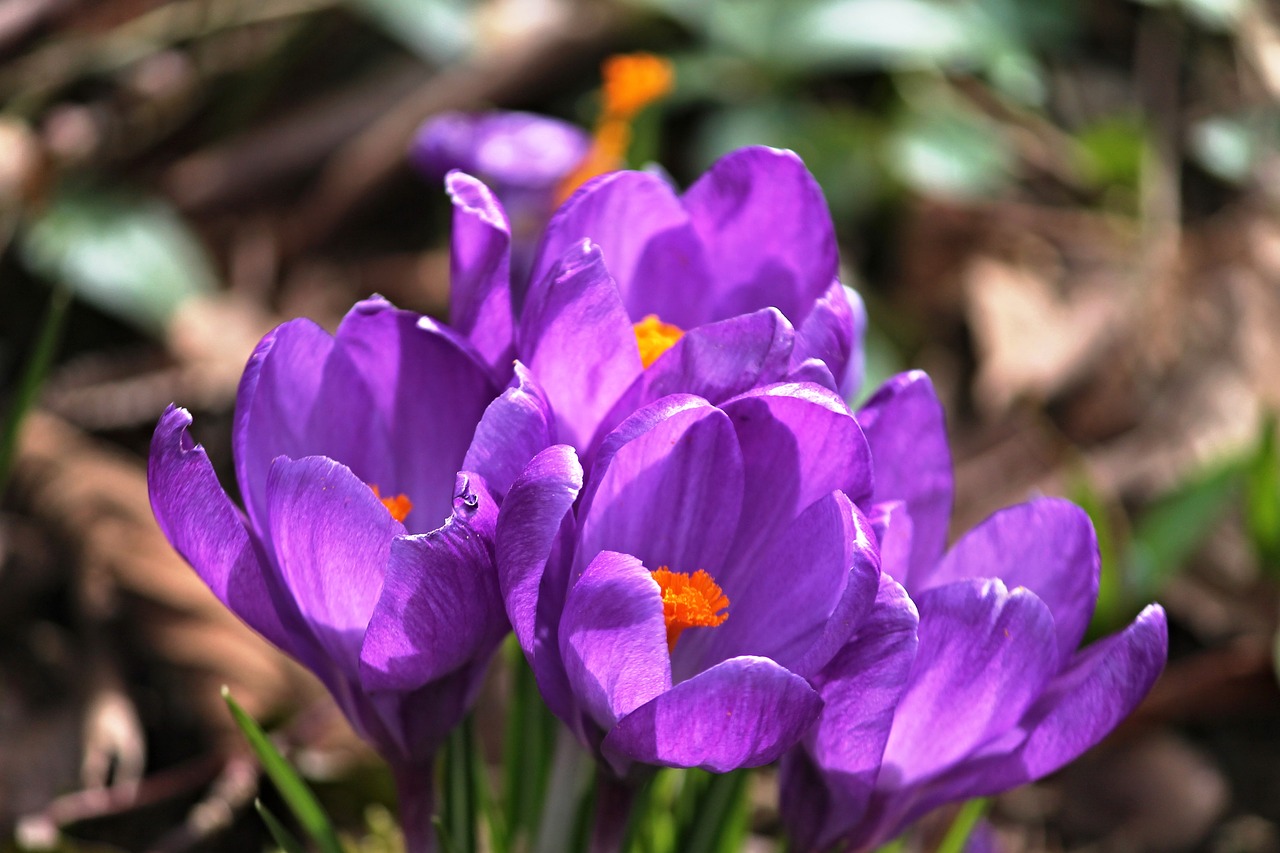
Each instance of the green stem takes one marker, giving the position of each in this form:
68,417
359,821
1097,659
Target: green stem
962,826
570,770
459,788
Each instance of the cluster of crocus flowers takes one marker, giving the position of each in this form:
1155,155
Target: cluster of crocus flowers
635,453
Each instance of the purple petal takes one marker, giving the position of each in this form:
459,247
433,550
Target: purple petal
431,389
307,394
892,525
527,527
613,638
480,271
854,604
716,361
799,443
638,423
813,372
202,524
333,539
647,241
516,427
285,405
861,688
412,727
805,804
905,427
1047,545
783,597
534,526
767,232
832,333
744,712
670,496
440,607
985,654
1078,707
1099,688
575,336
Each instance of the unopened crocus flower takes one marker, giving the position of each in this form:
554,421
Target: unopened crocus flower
524,158
361,551
714,561
966,680
534,162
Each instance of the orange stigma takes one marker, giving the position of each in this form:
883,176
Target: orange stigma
399,506
632,81
689,601
655,337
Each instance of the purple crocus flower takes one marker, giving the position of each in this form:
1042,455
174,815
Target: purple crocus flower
523,157
361,551
973,684
637,292
714,562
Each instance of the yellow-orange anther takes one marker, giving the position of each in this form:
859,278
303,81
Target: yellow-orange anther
655,337
689,601
632,81
399,506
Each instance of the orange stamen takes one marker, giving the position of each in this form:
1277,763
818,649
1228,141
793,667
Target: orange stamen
689,601
632,81
399,506
655,337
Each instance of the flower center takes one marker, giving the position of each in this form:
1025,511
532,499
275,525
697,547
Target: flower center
399,506
632,81
655,337
689,601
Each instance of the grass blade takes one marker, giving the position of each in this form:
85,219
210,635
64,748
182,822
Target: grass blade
304,805
46,346
963,825
283,837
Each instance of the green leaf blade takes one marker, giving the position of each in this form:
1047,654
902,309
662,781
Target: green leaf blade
297,795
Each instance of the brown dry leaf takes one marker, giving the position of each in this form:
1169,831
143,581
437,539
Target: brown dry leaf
1257,292
1032,341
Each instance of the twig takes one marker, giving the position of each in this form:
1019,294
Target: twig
42,72
264,156
233,790
1157,61
41,831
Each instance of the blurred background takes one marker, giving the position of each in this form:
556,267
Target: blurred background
1064,210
